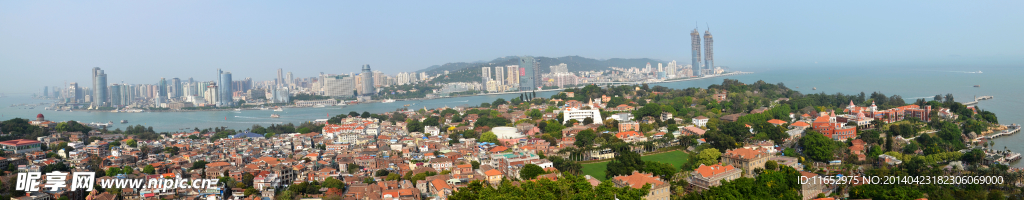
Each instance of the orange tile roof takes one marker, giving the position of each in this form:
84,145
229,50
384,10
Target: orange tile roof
742,153
492,172
626,134
777,122
638,180
800,124
716,169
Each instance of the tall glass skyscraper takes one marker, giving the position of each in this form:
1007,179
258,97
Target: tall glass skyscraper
695,51
99,88
368,89
225,90
709,53
529,71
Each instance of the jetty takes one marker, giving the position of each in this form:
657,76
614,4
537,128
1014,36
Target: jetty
1011,129
976,100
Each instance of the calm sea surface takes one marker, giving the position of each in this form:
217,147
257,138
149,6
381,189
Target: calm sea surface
1001,82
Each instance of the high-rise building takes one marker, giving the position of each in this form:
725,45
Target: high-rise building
115,95
695,51
529,72
99,88
486,76
560,68
709,53
339,86
280,78
163,88
289,80
76,92
513,76
224,89
176,87
46,91
499,76
368,88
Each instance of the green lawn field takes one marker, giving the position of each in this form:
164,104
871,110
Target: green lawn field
676,158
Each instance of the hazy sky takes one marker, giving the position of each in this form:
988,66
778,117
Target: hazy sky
50,42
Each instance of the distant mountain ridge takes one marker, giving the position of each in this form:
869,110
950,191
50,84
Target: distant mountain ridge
573,63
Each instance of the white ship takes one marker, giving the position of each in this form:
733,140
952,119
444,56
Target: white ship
388,101
278,109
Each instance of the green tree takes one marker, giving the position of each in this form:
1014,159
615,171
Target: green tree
148,169
365,114
476,165
664,170
585,138
489,137
530,171
817,146
624,164
708,156
331,182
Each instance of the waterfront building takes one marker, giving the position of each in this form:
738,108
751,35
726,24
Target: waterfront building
499,77
280,77
99,88
367,81
530,72
561,68
513,76
225,94
162,95
76,92
115,95
695,53
709,53
485,75
339,86
175,88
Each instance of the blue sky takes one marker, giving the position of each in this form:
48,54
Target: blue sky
49,42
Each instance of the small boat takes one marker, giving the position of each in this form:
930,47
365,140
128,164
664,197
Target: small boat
275,116
388,101
319,106
238,109
124,121
814,88
977,85
278,109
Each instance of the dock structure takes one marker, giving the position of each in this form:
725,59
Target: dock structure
976,99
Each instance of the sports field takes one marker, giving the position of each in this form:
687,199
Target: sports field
676,158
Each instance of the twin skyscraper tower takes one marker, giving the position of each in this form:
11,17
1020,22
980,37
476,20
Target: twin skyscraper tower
709,53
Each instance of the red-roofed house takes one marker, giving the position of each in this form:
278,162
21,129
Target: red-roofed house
746,159
708,176
659,188
631,136
777,122
21,145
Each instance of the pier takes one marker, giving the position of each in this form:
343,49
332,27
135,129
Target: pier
976,100
1011,129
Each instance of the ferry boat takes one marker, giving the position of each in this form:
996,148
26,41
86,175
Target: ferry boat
124,121
278,109
814,88
977,85
319,106
238,109
275,116
388,101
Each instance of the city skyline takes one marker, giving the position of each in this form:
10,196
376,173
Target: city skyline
173,41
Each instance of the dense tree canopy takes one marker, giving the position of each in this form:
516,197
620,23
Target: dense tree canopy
567,187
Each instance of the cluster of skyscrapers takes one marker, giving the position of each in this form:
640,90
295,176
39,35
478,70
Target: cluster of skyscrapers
709,54
523,77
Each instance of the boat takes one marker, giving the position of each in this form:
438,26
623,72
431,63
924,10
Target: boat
319,106
814,88
275,116
388,101
124,121
238,109
977,85
278,109
406,105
